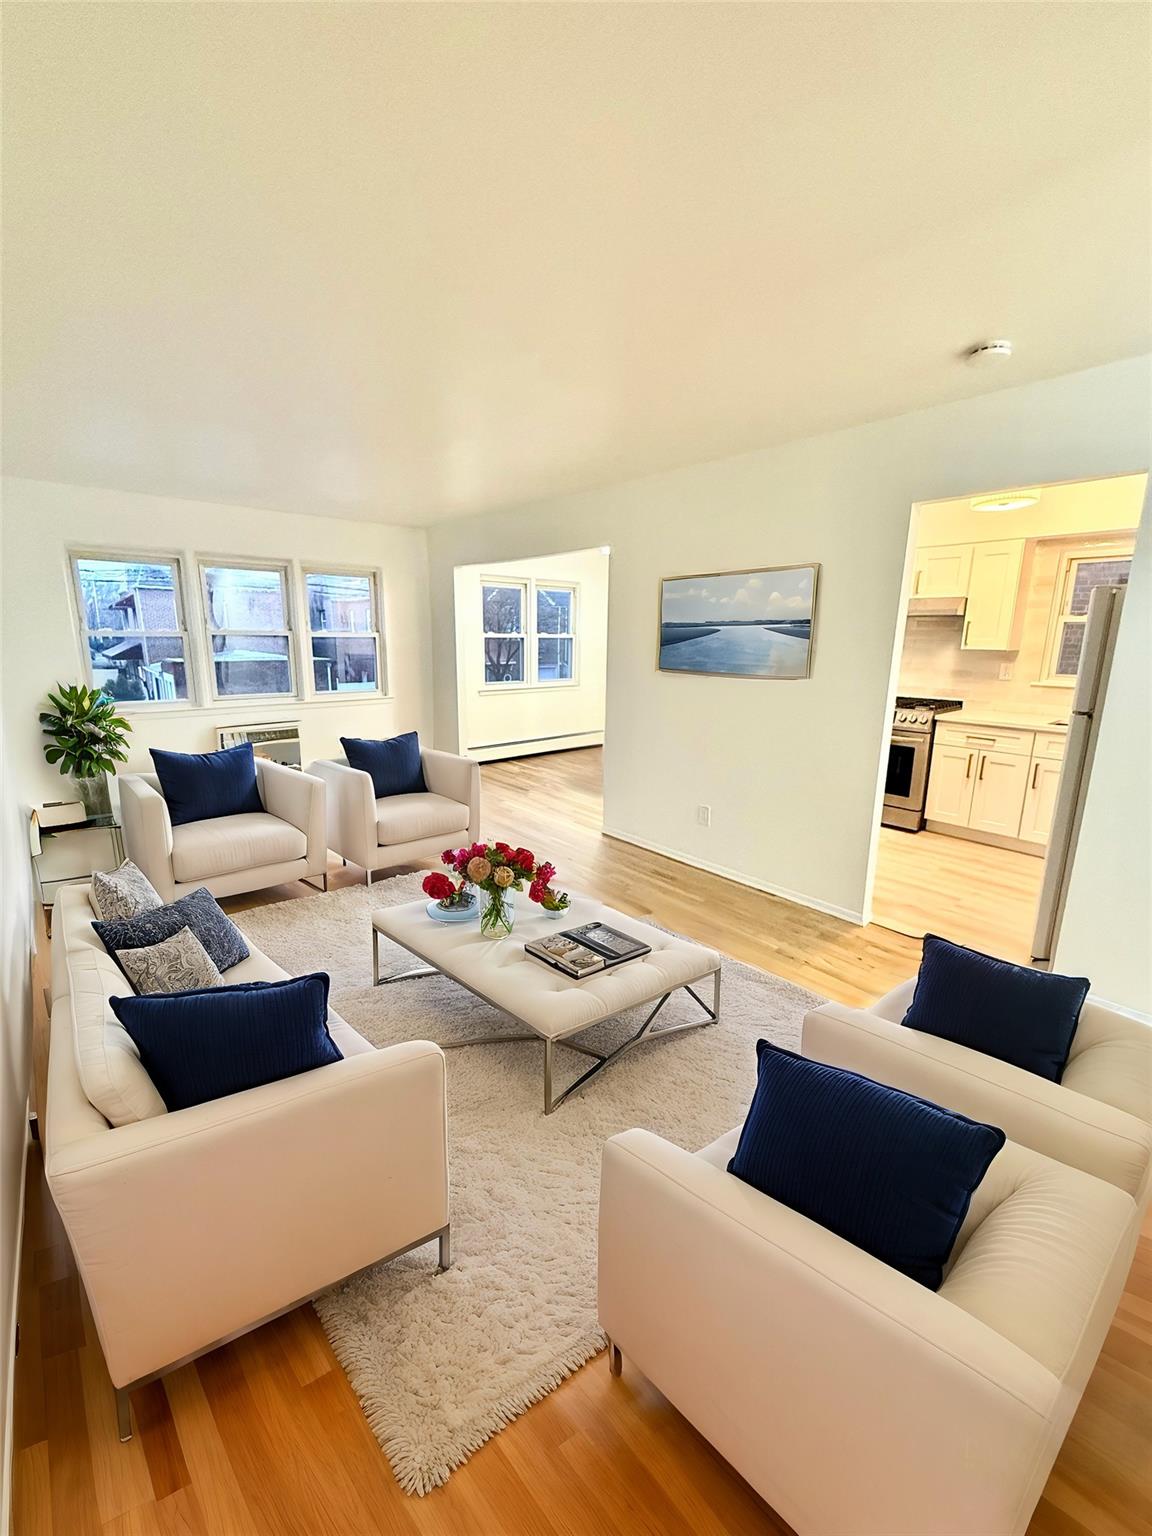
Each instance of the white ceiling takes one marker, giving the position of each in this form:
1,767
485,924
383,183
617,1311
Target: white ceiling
405,262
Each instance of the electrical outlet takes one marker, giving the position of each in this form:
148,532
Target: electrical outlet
1006,670
704,815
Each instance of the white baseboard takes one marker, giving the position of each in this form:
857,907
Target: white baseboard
796,897
494,751
9,1337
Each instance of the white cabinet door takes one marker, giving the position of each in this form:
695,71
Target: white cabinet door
951,781
942,571
993,589
998,795
1040,799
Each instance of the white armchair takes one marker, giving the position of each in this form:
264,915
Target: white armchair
400,829
228,854
1098,1117
853,1399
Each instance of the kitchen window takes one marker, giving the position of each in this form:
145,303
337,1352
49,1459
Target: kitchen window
249,630
132,627
529,633
343,631
1081,571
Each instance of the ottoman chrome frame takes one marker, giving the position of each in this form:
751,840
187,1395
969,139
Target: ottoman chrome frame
602,1059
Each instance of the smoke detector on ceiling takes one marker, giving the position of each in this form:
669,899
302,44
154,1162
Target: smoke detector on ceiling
985,352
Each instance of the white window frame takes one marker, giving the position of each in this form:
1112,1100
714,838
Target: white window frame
375,634
529,634
289,632
1059,615
145,557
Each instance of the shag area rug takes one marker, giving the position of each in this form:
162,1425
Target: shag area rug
441,1362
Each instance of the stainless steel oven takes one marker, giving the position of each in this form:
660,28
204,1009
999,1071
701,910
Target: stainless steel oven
909,758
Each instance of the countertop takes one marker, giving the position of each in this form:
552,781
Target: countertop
973,714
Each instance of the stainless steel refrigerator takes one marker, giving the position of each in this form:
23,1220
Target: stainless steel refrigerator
1101,624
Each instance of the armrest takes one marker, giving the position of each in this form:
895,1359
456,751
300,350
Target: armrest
351,811
456,778
147,831
778,1340
1045,1116
193,1225
895,1004
297,798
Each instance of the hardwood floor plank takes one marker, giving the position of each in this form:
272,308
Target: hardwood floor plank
32,1492
217,1489
73,1486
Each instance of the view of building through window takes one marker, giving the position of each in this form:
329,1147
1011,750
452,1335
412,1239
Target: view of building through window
342,622
510,647
248,629
131,615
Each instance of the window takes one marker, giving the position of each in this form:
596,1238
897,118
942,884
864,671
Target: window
555,634
249,636
342,624
505,639
133,627
1081,571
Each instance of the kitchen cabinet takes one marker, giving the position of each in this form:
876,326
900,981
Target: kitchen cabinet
942,571
1040,800
998,793
950,784
990,616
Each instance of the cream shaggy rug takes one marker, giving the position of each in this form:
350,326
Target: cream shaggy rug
442,1362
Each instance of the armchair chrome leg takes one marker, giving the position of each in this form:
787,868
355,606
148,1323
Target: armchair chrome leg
446,1248
123,1416
367,877
615,1359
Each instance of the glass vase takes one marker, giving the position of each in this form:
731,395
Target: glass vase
93,793
497,912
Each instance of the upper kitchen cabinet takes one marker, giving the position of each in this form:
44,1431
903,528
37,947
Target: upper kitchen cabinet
942,571
991,614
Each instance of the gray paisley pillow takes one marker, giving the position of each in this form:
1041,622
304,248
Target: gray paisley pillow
178,964
125,892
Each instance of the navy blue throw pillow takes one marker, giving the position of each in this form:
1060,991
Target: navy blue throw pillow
198,1046
394,765
200,785
890,1173
199,910
1018,1015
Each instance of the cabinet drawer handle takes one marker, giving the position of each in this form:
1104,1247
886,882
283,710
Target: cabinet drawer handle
916,588
967,627
968,770
1035,775
983,763
991,740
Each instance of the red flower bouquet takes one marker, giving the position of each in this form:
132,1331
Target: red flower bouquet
497,870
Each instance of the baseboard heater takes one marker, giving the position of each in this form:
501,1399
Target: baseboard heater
531,741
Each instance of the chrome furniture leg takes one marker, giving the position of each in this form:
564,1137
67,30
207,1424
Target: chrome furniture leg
615,1359
123,1415
446,1248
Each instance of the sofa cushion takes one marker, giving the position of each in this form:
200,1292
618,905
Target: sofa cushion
890,1173
199,911
408,818
223,845
112,1075
124,892
200,785
1017,1014
394,766
200,1046
178,964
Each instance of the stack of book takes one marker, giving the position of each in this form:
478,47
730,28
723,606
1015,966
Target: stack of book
584,951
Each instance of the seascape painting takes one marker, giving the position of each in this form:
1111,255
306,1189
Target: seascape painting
739,623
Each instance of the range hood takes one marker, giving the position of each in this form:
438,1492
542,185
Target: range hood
936,607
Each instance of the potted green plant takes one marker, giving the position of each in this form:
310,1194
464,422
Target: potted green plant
87,739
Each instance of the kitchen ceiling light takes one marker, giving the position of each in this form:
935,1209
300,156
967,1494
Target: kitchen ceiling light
1006,501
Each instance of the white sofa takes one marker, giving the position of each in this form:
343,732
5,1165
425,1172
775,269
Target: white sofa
192,1227
229,854
400,829
854,1400
1098,1117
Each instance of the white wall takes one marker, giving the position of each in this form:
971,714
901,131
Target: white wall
41,641
792,770
511,720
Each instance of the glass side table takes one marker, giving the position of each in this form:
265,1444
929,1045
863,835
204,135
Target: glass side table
68,855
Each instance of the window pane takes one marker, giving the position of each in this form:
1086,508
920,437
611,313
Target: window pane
343,666
340,603
128,594
554,660
1068,655
503,661
502,610
240,598
139,668
1096,573
251,664
553,611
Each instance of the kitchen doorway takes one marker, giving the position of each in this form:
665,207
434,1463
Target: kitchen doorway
1006,641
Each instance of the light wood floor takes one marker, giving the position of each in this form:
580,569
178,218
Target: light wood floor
973,893
265,1438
